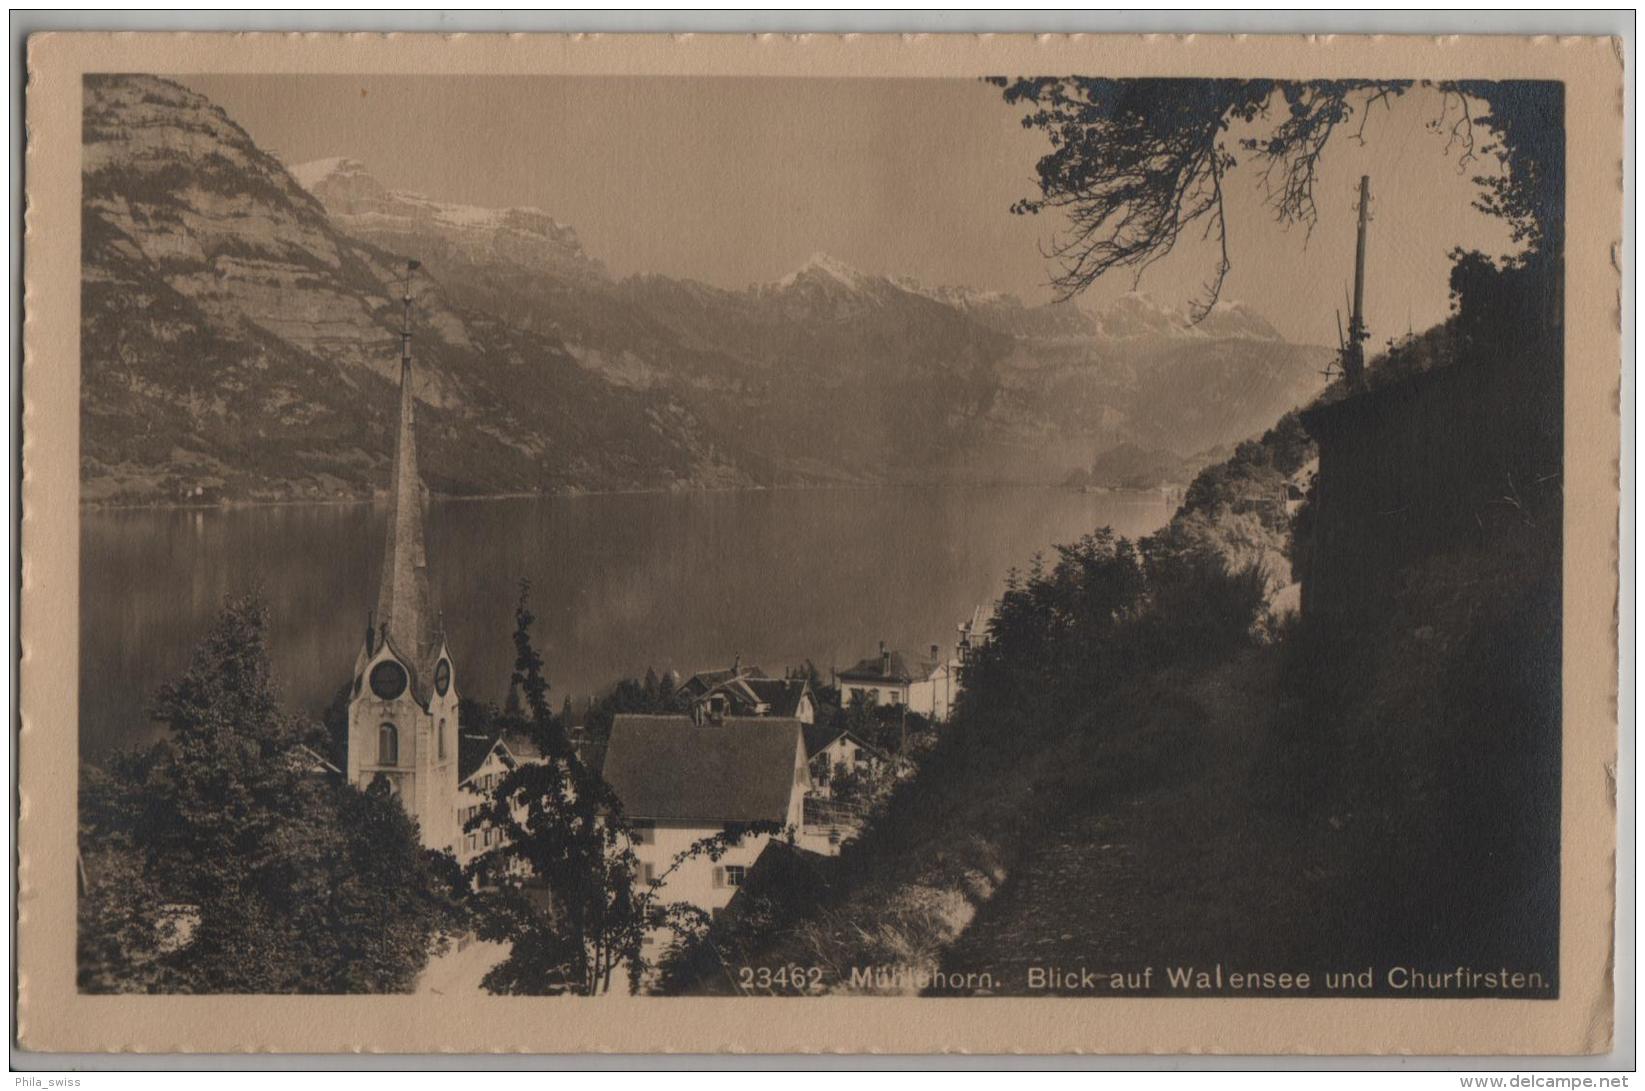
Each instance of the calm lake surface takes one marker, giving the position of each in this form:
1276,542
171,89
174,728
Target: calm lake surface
619,583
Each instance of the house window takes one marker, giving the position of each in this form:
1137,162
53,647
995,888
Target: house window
388,745
894,697
648,872
735,874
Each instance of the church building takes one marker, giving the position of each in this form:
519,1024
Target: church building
402,713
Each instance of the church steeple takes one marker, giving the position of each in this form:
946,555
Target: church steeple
403,716
404,606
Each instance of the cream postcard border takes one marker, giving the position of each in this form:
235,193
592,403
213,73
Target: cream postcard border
53,1016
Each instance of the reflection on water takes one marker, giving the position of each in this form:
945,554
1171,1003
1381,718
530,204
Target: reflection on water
620,583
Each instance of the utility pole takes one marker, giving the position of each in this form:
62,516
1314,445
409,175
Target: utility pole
1353,356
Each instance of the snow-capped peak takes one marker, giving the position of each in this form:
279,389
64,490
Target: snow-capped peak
825,265
318,171
360,203
1231,318
955,295
1137,314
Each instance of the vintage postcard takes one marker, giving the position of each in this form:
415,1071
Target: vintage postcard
860,544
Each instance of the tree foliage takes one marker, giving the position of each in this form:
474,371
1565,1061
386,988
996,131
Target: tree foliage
218,860
1135,163
563,888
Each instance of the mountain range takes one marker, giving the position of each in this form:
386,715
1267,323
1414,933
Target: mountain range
239,342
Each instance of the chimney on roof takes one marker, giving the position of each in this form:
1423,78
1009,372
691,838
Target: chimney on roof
737,664
885,660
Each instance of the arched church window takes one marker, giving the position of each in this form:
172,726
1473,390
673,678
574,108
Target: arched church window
442,737
388,745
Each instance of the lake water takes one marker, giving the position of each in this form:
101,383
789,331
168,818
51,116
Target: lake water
619,583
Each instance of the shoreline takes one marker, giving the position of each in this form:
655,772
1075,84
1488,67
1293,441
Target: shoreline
239,505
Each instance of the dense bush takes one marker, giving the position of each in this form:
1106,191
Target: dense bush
219,861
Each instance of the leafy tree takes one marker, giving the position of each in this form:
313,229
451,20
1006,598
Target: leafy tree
528,684
331,738
218,862
567,898
630,695
477,717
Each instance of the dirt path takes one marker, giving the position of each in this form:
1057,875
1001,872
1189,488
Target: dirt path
1186,871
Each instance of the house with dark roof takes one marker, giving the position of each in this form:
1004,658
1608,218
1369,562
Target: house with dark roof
925,686
747,691
786,698
700,683
680,781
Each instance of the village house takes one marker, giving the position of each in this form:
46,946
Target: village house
680,782
483,762
786,698
700,684
831,750
747,691
927,687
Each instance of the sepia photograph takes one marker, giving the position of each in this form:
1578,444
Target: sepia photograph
1044,534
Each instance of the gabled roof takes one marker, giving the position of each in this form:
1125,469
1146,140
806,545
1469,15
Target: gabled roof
471,753
872,670
703,681
472,750
667,768
305,759
819,737
782,694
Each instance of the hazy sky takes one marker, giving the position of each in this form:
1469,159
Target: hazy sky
738,180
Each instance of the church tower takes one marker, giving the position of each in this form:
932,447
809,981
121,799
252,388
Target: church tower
402,712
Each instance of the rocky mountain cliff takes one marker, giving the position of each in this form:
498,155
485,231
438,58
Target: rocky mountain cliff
239,342
835,373
237,345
